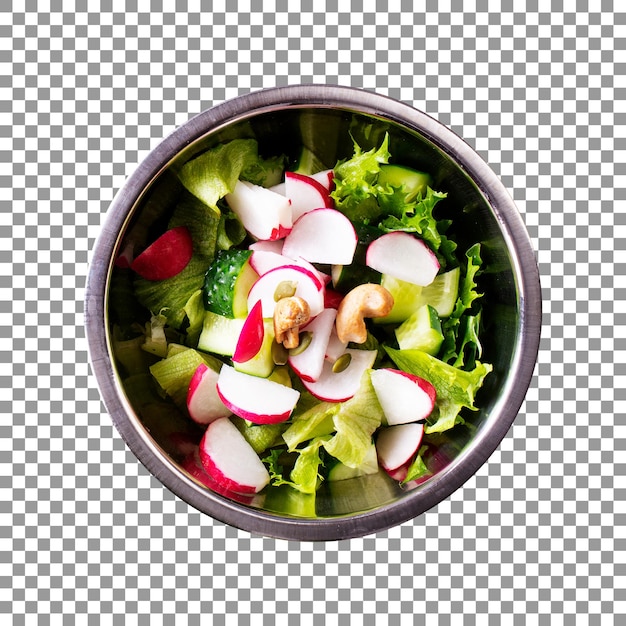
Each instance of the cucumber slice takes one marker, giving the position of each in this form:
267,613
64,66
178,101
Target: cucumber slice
227,283
340,471
262,364
347,277
411,181
443,292
219,334
421,331
407,298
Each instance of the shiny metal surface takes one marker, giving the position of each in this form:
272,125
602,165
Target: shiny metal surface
283,118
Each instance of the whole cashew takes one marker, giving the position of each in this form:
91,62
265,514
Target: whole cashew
367,300
289,314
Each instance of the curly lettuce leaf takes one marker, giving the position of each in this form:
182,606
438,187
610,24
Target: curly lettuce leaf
456,345
356,191
417,217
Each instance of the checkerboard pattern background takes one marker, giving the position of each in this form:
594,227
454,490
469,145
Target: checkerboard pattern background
537,536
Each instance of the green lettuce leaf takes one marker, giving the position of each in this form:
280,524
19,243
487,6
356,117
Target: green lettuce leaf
170,296
417,217
316,421
194,309
445,415
356,191
355,422
452,350
214,173
418,468
304,475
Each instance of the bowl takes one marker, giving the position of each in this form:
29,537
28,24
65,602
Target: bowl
324,116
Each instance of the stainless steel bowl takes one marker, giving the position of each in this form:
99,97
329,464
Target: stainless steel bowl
323,115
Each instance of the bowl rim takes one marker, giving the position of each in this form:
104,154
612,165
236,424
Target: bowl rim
450,479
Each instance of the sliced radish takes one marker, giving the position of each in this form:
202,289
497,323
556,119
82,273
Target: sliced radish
326,178
403,397
307,286
193,466
322,236
265,214
262,261
335,347
203,401
397,444
305,194
251,336
255,399
166,257
230,460
403,256
339,386
308,364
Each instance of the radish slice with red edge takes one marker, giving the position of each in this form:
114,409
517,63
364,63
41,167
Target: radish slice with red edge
403,256
230,460
322,236
166,257
395,445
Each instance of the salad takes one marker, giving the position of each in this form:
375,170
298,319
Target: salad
316,324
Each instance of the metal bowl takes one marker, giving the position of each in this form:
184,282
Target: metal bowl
286,118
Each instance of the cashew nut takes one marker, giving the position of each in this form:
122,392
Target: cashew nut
289,314
367,300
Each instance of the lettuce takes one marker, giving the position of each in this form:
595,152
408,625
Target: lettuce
316,421
454,349
418,468
304,475
417,217
456,388
356,191
214,173
355,422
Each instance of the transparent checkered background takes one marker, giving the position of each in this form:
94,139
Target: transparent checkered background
538,536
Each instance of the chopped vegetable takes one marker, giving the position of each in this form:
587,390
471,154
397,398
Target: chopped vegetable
316,397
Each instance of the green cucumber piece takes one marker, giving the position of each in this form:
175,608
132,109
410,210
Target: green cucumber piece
340,471
421,331
261,364
347,277
443,292
227,283
412,182
407,298
219,334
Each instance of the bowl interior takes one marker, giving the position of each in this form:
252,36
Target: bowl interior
171,435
